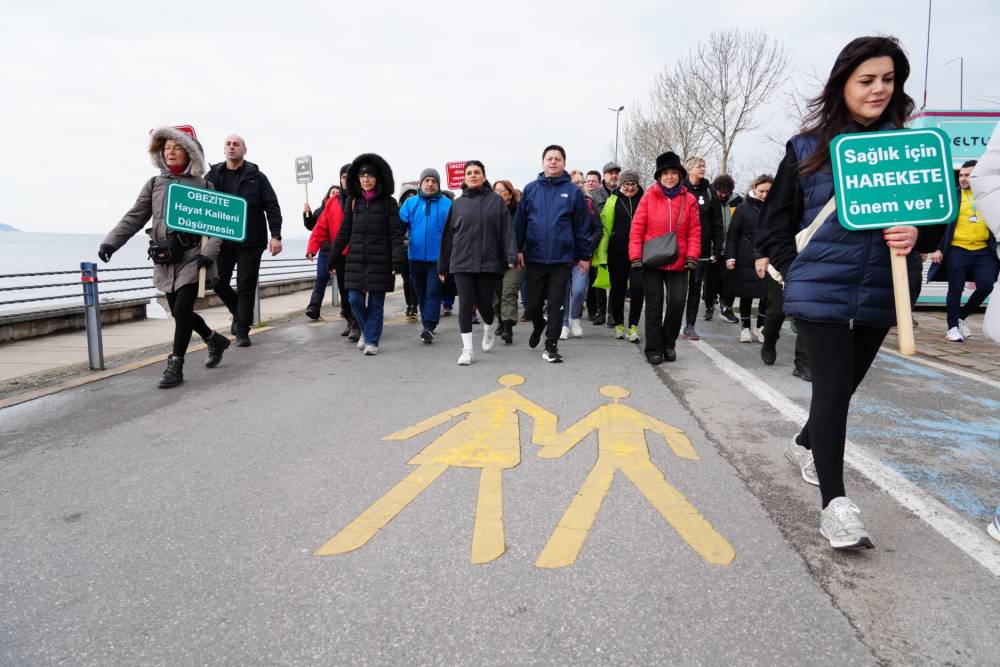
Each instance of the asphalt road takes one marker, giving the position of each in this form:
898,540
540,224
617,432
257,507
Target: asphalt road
143,526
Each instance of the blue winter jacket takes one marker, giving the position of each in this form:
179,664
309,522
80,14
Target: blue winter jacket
841,275
425,217
552,223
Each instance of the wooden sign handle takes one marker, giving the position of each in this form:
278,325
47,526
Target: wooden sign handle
202,270
904,315
307,192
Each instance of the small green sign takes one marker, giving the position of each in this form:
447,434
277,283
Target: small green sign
206,212
899,177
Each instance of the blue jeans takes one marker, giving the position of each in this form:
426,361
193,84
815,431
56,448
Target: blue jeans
576,291
369,315
322,280
427,287
980,266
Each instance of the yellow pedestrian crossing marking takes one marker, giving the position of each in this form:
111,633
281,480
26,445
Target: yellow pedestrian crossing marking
489,438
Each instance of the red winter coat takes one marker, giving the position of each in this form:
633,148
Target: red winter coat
327,226
656,215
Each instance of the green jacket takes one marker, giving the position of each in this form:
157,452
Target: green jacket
600,257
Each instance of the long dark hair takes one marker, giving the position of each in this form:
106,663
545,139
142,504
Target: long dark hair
828,113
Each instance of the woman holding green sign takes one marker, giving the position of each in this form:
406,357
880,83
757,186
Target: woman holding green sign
176,256
838,285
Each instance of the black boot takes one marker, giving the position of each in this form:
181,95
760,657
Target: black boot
769,351
355,335
173,374
217,344
507,331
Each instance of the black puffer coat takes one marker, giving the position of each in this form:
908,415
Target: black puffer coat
371,230
740,242
478,235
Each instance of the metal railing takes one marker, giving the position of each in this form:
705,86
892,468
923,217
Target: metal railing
272,270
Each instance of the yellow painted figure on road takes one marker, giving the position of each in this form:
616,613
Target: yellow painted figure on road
622,446
488,438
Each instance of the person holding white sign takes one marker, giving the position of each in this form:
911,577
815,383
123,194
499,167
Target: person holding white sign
177,256
838,285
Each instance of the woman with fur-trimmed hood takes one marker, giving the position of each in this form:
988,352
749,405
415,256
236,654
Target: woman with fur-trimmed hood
177,256
373,236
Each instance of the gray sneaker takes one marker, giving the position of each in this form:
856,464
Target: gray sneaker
841,523
803,458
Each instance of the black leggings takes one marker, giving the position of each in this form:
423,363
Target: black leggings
839,357
185,319
624,279
746,310
475,289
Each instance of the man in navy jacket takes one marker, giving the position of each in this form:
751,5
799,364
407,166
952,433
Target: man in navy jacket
552,225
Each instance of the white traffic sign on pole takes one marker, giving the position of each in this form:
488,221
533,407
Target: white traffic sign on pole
304,169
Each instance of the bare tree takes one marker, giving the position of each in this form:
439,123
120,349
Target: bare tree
725,81
663,124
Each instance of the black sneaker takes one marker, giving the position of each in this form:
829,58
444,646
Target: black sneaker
690,333
312,313
599,319
655,358
243,340
709,314
355,333
670,355
551,353
507,331
728,315
446,310
803,372
536,337
347,330
768,352
427,336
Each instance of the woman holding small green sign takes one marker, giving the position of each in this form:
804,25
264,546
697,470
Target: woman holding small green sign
177,256
838,284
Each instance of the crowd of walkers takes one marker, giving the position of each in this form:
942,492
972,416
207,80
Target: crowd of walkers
664,242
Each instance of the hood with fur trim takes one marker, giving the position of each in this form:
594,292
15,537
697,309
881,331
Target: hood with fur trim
385,184
196,155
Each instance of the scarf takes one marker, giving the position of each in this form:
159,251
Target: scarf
670,192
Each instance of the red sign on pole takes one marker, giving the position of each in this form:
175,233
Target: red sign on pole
456,174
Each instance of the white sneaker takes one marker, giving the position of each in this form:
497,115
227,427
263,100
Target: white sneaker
803,458
564,334
489,336
371,350
841,523
575,330
758,333
964,329
955,334
465,359
745,336
361,342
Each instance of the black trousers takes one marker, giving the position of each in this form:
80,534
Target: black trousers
775,317
186,320
623,279
695,279
409,294
746,311
597,299
340,266
475,290
547,282
246,261
718,287
663,323
839,358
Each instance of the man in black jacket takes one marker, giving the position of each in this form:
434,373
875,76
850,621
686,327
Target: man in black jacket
238,177
711,236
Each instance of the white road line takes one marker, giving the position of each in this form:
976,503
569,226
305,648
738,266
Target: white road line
971,539
938,366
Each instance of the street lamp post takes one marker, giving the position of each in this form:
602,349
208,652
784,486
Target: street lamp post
961,80
618,112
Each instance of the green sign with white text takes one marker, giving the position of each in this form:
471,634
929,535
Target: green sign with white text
898,177
206,212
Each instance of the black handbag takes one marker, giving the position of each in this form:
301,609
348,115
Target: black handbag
661,250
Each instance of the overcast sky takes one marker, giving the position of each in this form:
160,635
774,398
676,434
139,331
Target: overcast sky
82,84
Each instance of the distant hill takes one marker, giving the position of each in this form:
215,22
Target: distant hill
7,228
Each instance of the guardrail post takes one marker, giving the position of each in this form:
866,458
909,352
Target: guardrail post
92,310
256,305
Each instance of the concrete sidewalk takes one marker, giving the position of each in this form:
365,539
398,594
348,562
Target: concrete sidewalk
977,354
22,361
